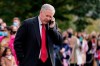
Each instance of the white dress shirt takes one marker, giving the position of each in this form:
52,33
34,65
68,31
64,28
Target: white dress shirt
40,26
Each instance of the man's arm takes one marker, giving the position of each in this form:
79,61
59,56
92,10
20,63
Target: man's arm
55,35
53,32
19,41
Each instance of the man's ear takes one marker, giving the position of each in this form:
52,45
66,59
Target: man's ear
40,11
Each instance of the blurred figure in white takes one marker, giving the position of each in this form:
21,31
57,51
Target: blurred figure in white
73,41
81,51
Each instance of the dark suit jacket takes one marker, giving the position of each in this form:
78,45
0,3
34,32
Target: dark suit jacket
27,42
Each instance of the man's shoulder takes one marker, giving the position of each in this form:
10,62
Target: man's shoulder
30,19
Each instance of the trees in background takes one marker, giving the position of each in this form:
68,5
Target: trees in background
69,13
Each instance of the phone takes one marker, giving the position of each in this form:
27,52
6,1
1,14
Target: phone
50,22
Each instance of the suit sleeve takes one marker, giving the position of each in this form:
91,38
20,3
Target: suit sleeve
55,35
19,41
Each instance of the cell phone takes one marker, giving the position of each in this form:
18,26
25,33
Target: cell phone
50,22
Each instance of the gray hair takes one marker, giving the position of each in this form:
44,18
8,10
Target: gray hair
48,7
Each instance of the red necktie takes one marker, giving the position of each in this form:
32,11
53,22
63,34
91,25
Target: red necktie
93,41
44,54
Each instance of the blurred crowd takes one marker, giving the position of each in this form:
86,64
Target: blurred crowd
77,49
7,36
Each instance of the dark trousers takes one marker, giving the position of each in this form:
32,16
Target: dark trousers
58,62
73,64
47,63
89,60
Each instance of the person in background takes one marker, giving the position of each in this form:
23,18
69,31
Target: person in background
1,21
7,58
4,42
97,54
66,51
3,26
82,49
91,49
73,42
13,30
16,22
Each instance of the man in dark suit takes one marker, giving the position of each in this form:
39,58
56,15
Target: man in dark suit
35,38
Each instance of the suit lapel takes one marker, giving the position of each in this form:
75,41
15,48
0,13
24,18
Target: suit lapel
37,30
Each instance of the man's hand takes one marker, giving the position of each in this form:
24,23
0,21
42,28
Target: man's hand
52,23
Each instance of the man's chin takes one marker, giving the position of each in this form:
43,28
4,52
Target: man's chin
45,23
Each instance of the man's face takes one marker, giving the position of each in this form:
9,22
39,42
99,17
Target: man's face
46,16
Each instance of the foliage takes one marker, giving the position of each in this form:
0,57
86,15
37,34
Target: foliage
69,13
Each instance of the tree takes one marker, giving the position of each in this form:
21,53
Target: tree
66,11
18,8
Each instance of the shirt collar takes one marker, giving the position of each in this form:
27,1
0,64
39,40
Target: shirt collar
40,23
